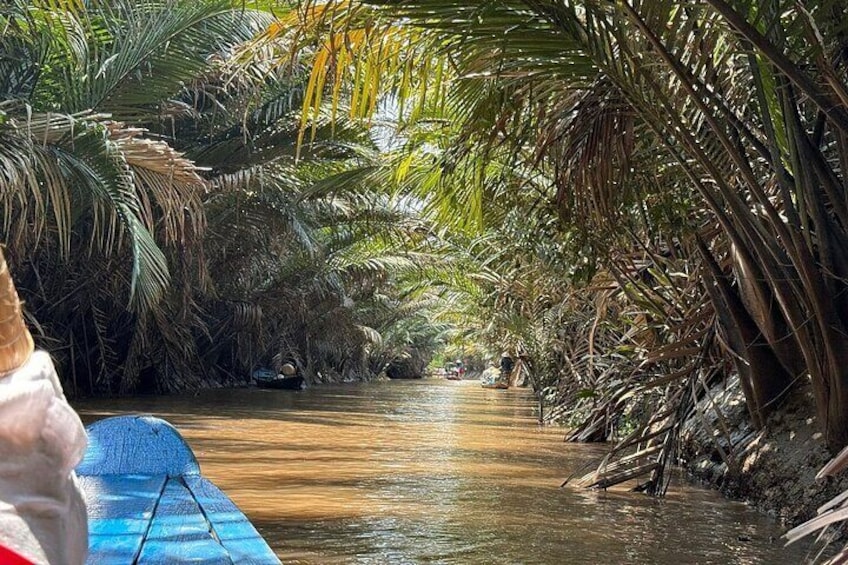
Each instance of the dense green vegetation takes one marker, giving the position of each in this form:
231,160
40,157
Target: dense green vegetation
161,229
693,159
640,198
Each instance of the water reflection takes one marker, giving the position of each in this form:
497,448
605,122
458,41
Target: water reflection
437,472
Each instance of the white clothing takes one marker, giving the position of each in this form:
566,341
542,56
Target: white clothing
42,512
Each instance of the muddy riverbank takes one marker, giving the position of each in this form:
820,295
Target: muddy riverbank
772,469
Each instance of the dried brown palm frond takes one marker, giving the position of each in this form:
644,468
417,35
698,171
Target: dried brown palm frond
589,137
163,175
167,181
68,170
649,362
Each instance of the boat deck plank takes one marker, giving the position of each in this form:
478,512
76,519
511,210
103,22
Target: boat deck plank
120,509
236,534
148,504
180,533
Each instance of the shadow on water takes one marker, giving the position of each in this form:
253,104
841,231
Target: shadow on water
437,472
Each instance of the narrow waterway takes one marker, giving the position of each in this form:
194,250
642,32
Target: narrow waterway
437,472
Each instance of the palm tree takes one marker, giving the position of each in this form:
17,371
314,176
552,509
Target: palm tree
93,204
577,80
73,115
167,227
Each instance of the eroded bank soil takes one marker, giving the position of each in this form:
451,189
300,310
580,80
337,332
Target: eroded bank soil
773,469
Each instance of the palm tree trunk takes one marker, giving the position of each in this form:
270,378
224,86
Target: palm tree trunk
765,382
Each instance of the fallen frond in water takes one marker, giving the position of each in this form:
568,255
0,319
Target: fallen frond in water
644,452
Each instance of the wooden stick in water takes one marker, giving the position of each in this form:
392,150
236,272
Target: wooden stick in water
16,344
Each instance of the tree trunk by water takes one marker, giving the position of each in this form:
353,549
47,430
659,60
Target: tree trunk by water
764,380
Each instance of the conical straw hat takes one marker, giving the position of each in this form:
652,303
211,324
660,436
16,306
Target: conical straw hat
15,340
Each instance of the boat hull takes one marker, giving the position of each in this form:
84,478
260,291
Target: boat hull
287,383
148,503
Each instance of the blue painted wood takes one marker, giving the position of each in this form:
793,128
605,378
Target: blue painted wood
141,445
120,509
149,505
179,532
233,530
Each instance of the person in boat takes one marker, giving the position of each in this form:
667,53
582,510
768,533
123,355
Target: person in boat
491,375
507,364
42,512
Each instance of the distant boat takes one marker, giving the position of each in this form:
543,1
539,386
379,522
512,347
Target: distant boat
491,379
148,503
270,379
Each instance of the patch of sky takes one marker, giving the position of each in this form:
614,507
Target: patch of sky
384,127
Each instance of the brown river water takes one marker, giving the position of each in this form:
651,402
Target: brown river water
437,472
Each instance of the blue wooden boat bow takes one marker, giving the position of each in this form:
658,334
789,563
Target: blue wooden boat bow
148,504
